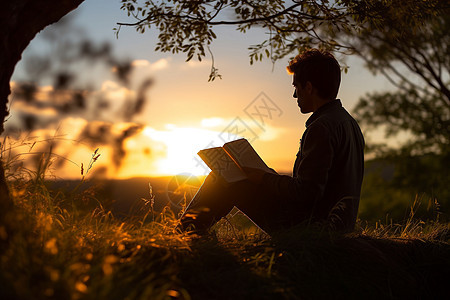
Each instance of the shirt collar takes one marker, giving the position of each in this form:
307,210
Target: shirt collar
321,110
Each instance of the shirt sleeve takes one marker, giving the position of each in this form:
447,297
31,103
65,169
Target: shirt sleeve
308,187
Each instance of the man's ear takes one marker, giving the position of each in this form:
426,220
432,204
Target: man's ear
309,87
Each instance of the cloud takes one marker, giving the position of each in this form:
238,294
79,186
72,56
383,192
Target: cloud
193,63
272,133
25,108
33,106
160,64
115,92
36,107
212,122
233,128
140,63
109,85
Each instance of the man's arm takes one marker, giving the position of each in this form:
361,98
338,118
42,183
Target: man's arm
256,175
317,158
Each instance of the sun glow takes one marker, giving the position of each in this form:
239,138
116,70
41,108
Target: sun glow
182,145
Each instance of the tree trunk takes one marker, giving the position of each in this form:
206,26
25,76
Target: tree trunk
20,21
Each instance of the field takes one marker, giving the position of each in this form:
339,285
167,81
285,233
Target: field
69,245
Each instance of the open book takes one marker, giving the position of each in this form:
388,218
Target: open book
226,161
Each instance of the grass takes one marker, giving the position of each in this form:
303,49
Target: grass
66,252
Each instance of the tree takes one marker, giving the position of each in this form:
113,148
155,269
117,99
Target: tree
69,51
417,165
424,118
20,21
187,26
411,58
417,63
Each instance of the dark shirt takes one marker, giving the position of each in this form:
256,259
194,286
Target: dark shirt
328,171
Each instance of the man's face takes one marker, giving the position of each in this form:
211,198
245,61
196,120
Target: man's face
302,94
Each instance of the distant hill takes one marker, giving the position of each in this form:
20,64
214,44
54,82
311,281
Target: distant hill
132,196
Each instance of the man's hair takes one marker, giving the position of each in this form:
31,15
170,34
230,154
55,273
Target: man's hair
320,68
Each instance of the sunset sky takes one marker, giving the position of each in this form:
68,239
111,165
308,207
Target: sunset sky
185,113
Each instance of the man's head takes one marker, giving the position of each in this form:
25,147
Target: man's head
317,76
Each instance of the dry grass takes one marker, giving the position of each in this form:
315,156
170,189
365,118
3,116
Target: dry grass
60,252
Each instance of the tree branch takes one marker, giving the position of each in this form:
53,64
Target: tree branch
442,86
237,22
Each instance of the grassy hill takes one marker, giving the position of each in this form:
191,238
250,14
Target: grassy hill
67,246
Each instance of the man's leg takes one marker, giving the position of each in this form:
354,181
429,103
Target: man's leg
215,199
261,205
209,205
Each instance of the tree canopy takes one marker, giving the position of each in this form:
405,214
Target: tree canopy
417,62
188,26
399,50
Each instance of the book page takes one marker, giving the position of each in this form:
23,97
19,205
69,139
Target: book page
222,164
244,154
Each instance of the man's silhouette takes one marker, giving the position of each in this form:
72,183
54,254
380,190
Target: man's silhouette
326,183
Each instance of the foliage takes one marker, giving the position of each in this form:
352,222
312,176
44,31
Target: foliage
393,184
425,119
56,87
416,61
416,115
187,26
412,58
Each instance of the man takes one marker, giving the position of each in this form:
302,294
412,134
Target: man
327,176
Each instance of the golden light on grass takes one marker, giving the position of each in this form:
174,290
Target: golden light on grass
108,263
51,247
81,287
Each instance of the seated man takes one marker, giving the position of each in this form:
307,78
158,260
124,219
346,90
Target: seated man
328,172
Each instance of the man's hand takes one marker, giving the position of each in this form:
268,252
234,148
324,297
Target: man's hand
254,175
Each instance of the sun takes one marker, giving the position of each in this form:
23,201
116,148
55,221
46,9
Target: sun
182,145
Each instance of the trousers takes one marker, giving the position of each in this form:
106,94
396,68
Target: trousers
215,199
